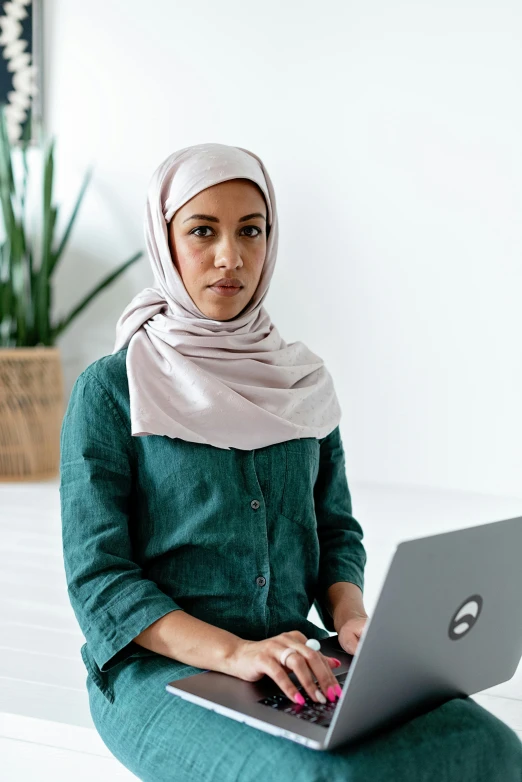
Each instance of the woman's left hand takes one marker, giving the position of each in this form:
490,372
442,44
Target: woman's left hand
350,632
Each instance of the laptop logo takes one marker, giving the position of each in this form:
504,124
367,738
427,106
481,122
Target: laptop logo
465,617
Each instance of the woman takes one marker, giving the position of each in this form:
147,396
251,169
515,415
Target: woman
205,508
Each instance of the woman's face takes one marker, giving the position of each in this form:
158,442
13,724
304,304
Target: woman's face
210,239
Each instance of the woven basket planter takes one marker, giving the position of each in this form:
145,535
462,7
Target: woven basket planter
31,413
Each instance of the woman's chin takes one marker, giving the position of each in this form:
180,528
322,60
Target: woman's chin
225,308
221,312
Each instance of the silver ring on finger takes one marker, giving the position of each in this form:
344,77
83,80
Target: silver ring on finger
285,654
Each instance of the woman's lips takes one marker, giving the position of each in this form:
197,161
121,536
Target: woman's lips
224,290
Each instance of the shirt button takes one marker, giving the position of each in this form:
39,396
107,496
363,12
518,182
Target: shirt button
261,581
255,504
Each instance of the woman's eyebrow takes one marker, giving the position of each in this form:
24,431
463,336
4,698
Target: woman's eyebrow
216,220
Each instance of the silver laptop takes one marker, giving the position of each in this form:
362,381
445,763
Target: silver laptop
448,623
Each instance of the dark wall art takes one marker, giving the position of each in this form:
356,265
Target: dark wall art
21,67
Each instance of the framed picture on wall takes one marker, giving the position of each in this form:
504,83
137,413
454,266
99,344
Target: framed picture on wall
21,67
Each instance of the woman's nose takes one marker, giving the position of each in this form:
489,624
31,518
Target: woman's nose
228,253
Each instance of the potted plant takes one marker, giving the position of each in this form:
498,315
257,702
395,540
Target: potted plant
31,378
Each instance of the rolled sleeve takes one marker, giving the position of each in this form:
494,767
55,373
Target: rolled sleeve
112,600
342,554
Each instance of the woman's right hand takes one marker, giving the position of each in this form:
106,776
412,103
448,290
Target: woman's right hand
251,660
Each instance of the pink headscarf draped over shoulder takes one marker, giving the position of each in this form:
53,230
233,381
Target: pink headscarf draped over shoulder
233,384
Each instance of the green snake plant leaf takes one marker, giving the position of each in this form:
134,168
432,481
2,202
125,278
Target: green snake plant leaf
6,169
55,257
29,304
26,270
61,325
43,292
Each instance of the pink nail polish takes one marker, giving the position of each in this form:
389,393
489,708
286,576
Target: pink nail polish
330,694
299,699
338,662
338,690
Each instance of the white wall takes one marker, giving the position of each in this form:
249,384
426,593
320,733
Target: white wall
393,135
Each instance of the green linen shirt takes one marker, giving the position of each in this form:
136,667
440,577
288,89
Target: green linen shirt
244,540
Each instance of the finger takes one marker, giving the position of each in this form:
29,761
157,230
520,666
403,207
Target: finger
318,664
328,682
350,644
275,670
297,663
315,676
333,662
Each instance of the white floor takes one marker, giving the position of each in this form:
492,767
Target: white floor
46,731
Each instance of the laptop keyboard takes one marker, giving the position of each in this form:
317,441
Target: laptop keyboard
311,711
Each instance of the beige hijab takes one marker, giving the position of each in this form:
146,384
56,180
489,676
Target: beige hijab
233,384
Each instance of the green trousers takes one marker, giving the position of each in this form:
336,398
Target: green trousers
160,737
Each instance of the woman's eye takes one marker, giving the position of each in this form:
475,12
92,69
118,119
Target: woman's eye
207,228
200,228
259,231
